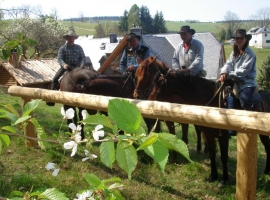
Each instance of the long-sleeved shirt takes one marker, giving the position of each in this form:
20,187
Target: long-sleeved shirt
242,69
71,55
192,58
129,57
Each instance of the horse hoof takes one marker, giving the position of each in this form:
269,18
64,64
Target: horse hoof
50,103
211,179
222,183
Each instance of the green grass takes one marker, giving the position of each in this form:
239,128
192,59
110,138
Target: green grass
23,168
81,28
261,54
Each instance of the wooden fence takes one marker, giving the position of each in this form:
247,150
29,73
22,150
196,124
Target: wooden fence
247,124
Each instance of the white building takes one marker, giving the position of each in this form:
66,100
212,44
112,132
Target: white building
260,37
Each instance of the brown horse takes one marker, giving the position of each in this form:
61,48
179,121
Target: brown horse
87,81
199,91
145,76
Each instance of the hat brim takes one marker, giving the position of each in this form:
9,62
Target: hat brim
192,31
65,36
137,36
248,36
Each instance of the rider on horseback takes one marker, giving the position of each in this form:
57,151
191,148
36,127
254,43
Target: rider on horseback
70,55
188,56
132,56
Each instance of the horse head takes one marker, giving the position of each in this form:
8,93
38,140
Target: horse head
145,75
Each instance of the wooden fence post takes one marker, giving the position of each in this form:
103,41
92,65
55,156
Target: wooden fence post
246,174
29,129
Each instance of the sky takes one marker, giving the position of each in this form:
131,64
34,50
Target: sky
174,10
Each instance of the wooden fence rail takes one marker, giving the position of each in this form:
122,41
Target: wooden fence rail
248,124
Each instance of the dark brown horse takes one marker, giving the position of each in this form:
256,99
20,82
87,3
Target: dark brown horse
199,91
75,81
145,76
87,81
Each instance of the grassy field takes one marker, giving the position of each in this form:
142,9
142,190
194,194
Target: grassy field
23,168
261,54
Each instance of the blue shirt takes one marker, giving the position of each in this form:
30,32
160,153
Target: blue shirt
192,58
242,69
71,55
129,57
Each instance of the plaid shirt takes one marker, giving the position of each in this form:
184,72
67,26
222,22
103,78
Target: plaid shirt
71,55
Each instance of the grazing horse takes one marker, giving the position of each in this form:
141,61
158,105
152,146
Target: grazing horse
145,76
86,81
199,91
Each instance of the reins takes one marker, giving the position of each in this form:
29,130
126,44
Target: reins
130,74
217,92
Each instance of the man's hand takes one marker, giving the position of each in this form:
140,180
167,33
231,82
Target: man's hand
65,66
223,77
131,68
186,70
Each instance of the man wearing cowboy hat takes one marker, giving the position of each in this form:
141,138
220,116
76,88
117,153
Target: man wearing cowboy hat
130,57
70,55
188,56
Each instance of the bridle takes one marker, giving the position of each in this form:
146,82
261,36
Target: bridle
146,92
130,76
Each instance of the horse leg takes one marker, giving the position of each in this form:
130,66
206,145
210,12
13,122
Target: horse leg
82,125
266,143
150,124
171,129
199,138
210,139
185,133
224,145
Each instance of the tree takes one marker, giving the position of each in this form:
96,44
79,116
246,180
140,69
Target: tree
81,15
222,34
146,21
261,18
134,16
231,21
48,33
263,79
159,25
123,23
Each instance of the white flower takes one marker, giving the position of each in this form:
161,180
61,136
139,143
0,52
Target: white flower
51,166
91,156
71,145
84,114
97,132
75,129
85,195
69,114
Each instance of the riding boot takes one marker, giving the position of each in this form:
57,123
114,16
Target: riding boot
55,83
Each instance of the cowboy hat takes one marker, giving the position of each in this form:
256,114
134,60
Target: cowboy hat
241,33
186,29
133,35
70,33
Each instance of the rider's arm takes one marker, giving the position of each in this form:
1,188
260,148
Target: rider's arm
123,62
197,52
175,59
82,57
60,56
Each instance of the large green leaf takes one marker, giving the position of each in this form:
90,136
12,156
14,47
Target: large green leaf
32,42
149,141
11,109
22,119
10,129
8,115
20,36
93,180
159,152
11,44
126,157
173,143
126,115
40,134
107,153
140,131
115,179
5,53
30,106
5,140
99,119
54,194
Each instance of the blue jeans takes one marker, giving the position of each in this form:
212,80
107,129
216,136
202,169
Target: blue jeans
245,97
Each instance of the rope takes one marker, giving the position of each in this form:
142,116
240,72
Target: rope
217,92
